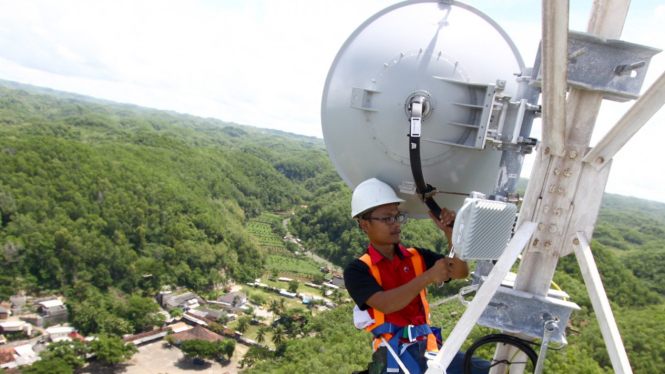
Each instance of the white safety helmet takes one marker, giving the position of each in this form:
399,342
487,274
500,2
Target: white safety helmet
370,194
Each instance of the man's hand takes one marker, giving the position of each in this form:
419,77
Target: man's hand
442,271
445,221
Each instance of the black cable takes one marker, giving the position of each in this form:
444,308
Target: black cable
422,188
522,345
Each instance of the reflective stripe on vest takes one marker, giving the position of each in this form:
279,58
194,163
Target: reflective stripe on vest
380,318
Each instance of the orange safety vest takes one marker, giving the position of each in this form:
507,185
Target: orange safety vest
380,318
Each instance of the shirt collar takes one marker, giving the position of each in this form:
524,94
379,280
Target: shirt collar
375,256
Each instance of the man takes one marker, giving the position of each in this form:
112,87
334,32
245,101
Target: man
388,282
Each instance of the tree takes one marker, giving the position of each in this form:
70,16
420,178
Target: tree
205,349
337,295
216,328
318,278
243,324
279,335
273,307
141,312
261,334
111,350
72,352
257,298
293,286
228,347
223,319
176,312
52,366
253,355
170,339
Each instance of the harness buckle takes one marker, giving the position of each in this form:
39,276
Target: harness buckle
410,335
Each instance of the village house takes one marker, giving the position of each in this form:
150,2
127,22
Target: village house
235,299
17,303
7,358
5,313
60,333
18,355
198,332
14,327
150,336
212,315
185,301
52,312
231,311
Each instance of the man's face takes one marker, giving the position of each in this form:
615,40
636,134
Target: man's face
378,231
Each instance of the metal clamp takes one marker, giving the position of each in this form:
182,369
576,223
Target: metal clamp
416,107
549,327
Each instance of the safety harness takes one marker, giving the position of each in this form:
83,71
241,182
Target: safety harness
392,334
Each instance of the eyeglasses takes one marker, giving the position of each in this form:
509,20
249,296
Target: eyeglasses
401,218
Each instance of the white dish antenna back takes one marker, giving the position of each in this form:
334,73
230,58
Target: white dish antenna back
448,54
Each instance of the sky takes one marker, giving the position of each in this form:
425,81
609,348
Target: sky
264,63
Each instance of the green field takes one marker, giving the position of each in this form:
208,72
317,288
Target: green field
291,265
266,228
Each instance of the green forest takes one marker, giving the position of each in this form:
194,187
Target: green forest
107,203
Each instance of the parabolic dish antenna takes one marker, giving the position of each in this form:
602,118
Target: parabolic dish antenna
450,56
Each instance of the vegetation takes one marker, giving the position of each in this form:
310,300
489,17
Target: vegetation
71,352
210,350
292,265
110,350
115,313
108,203
53,366
176,312
268,229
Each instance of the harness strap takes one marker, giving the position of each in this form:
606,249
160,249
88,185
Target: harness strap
409,332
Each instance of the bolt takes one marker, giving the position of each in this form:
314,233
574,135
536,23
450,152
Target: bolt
548,244
547,150
557,211
535,242
540,226
546,209
576,241
385,64
626,69
573,154
567,173
552,229
576,54
557,171
600,160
